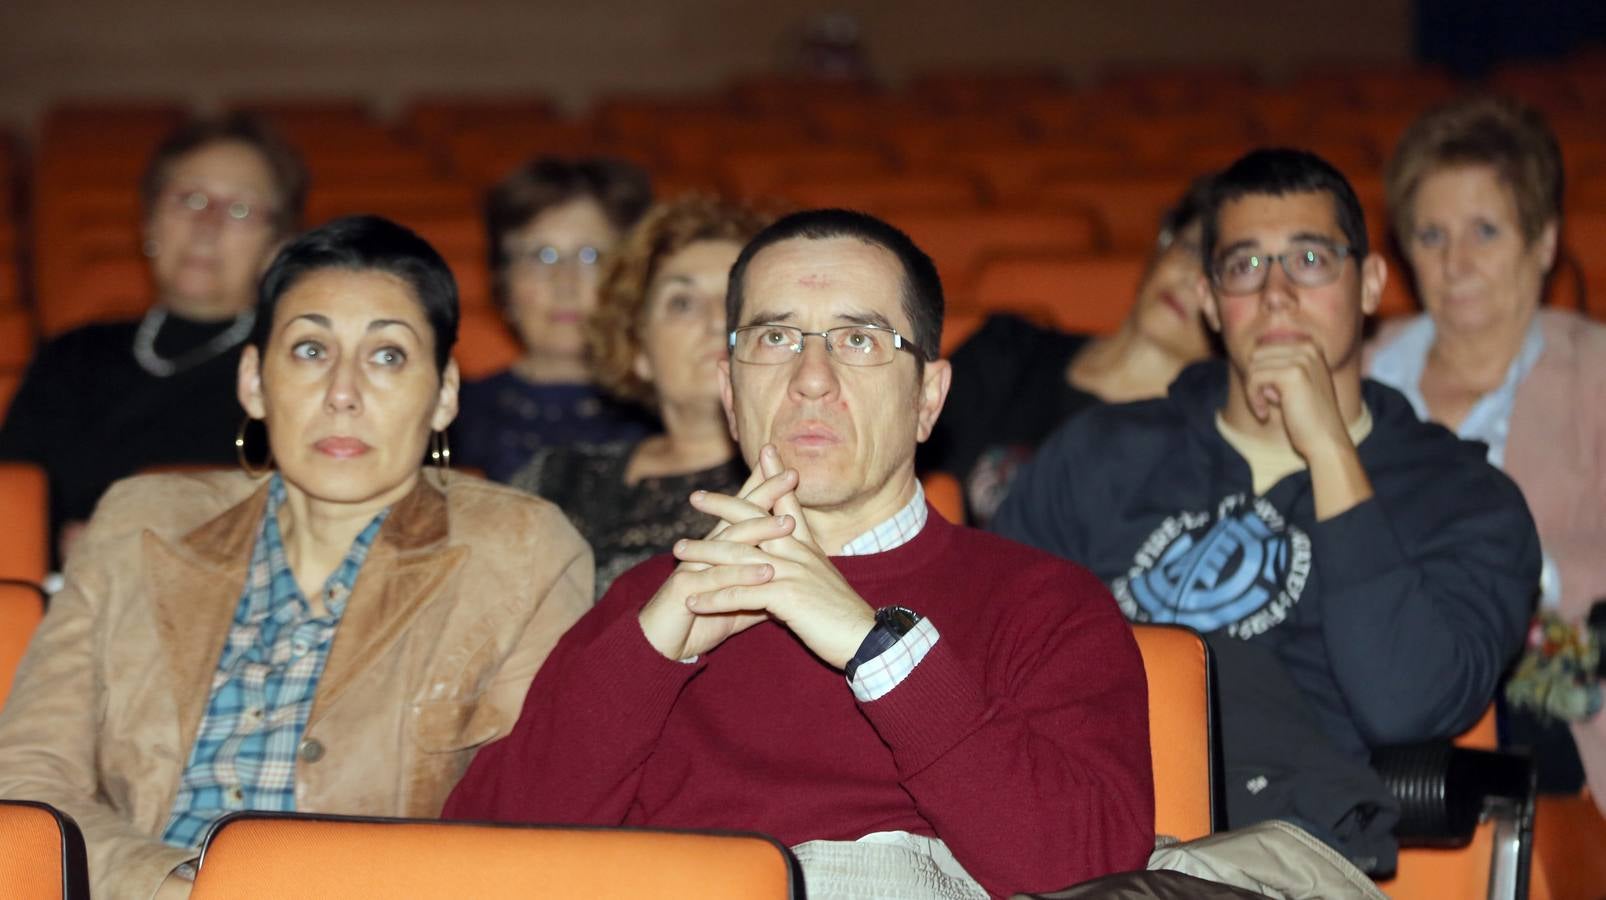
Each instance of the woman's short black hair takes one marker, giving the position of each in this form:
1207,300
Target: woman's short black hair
289,173
365,243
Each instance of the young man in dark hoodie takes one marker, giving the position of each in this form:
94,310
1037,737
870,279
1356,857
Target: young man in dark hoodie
1362,577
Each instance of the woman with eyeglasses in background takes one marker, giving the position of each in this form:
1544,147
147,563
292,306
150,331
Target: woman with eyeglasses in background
656,339
109,399
551,226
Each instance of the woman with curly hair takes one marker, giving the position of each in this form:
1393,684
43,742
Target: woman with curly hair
656,338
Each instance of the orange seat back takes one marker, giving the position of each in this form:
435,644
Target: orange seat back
101,290
41,854
485,343
25,510
883,195
1182,733
958,242
272,855
1086,294
1130,208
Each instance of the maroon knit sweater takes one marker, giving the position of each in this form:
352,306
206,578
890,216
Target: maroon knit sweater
1021,740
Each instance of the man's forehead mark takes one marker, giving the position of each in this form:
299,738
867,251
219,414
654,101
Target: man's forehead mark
814,280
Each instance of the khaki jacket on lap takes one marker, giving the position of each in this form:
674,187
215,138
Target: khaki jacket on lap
461,597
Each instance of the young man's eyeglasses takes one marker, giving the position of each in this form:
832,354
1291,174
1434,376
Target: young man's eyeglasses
853,345
1306,263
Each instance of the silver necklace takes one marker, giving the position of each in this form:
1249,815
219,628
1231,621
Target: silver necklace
145,343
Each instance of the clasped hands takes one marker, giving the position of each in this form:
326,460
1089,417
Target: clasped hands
760,562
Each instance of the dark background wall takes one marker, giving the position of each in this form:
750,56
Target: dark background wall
205,51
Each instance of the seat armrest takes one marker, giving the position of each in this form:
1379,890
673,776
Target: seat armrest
1444,791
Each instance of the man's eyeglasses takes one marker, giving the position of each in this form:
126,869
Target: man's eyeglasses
853,345
1306,263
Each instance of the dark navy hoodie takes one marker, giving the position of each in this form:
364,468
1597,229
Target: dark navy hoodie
1394,619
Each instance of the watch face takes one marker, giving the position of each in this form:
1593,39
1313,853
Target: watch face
896,619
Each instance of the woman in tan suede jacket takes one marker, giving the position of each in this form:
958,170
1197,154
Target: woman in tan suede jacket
339,636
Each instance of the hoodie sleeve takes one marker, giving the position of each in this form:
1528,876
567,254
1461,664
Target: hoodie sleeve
1444,613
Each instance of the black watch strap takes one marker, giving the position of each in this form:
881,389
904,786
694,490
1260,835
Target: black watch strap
891,624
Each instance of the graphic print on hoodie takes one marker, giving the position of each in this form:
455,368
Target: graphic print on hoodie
1239,566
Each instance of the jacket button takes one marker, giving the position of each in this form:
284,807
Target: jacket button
311,750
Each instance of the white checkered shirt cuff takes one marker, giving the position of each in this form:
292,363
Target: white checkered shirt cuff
876,678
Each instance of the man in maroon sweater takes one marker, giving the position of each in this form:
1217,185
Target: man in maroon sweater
927,710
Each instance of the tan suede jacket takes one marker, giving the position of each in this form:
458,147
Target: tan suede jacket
461,597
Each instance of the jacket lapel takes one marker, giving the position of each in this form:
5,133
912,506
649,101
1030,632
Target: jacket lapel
404,571
195,585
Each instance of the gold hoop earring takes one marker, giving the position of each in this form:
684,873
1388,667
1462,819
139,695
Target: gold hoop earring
440,453
239,452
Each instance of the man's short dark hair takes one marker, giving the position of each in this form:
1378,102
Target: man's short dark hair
922,288
362,244
1279,171
284,163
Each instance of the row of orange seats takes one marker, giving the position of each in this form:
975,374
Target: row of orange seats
968,175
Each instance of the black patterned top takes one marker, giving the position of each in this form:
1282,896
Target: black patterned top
624,523
503,420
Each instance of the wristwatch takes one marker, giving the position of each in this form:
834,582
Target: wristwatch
891,624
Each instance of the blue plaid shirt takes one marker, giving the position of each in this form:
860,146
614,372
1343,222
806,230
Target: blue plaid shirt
245,752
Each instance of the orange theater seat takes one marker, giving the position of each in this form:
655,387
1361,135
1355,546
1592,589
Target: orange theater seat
1085,294
1168,137
924,141
255,855
1130,208
402,201
1012,171
1434,872
25,510
485,345
1569,833
433,119
883,195
1182,731
1584,240
41,854
755,173
958,242
957,327
703,141
99,291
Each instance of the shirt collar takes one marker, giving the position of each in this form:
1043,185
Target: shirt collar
894,532
1401,363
